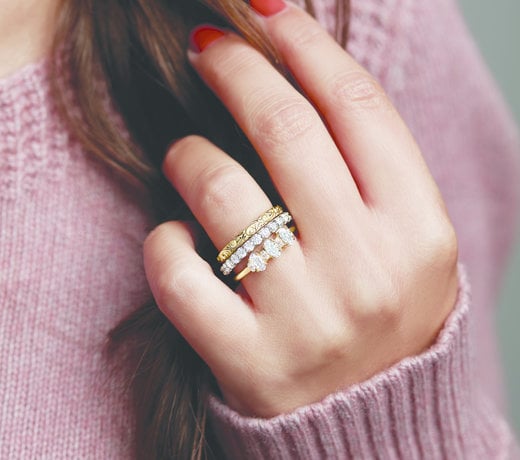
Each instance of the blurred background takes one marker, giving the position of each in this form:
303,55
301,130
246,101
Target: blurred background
495,28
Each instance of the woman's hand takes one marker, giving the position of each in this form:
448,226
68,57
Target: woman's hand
373,274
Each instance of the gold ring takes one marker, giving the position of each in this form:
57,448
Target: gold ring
248,232
265,255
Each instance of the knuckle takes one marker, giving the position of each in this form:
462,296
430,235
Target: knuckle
358,91
378,299
439,246
215,189
333,343
324,341
184,144
279,120
179,150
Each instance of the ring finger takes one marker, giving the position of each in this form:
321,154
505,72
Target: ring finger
222,195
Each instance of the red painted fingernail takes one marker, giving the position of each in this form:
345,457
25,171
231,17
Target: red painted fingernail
267,7
203,36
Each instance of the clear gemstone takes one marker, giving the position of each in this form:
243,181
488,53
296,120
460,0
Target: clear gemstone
234,259
264,232
272,248
241,253
249,245
256,239
256,263
272,226
279,221
286,235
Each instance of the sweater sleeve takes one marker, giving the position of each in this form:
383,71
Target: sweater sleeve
425,406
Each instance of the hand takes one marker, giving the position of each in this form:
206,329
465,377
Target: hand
373,274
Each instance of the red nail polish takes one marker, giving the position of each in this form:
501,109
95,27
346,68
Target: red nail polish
267,7
203,36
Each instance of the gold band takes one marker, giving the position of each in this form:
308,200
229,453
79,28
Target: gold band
243,274
248,232
247,270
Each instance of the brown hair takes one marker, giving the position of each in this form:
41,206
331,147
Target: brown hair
136,50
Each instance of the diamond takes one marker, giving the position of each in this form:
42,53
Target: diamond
272,226
234,259
272,248
286,235
256,263
249,246
279,221
256,239
241,253
264,232
226,268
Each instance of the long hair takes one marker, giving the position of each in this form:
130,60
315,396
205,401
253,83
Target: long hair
129,57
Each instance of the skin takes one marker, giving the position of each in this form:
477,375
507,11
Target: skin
373,275
26,32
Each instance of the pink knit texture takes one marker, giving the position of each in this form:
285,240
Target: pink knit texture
71,267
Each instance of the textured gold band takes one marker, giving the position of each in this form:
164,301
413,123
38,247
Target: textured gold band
248,232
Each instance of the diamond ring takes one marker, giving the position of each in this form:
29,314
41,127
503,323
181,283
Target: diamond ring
248,232
254,241
272,249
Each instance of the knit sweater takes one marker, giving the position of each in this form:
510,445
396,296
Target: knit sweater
71,267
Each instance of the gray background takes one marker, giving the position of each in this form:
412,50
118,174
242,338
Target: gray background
495,28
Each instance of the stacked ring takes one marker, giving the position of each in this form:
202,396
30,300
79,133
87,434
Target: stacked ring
273,221
248,232
272,248
257,239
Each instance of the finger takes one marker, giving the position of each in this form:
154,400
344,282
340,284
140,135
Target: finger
219,191
212,318
289,135
225,199
378,147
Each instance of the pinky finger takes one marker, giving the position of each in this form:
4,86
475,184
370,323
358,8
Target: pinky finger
214,319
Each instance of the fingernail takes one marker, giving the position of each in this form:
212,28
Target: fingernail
267,7
203,36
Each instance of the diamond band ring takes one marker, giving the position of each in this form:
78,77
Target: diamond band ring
248,232
269,231
255,240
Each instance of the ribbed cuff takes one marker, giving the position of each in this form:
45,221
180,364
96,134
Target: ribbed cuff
422,407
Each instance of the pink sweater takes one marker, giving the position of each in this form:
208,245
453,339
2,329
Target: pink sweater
71,267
